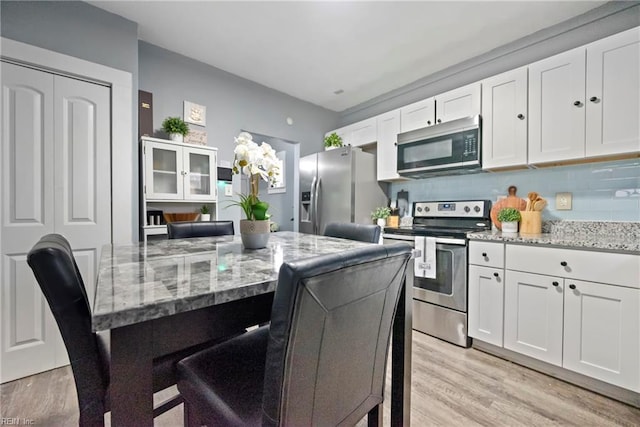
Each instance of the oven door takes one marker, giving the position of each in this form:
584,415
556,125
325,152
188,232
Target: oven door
449,287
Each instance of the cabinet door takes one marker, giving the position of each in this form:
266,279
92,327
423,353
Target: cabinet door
387,158
364,132
163,171
556,107
418,115
458,103
504,120
602,332
200,174
613,94
486,298
533,315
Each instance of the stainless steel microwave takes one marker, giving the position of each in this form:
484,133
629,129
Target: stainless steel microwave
442,148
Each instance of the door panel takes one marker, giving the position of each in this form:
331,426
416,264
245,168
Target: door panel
200,181
335,191
308,169
486,298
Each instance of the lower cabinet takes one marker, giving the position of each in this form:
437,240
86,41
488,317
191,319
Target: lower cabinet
533,315
486,292
602,332
588,327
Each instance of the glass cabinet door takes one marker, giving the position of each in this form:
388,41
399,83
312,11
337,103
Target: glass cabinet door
200,178
164,172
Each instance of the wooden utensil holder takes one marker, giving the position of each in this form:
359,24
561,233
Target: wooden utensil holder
531,222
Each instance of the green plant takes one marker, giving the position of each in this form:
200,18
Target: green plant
333,140
509,215
253,208
175,125
205,210
382,212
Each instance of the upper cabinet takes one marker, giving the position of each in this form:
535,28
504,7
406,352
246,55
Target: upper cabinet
387,156
458,103
357,134
586,102
418,115
178,172
504,120
613,95
556,107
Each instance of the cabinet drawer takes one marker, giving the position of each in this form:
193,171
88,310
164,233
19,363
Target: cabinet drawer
487,254
604,267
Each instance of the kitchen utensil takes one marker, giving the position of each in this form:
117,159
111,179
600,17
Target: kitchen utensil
511,201
532,196
539,205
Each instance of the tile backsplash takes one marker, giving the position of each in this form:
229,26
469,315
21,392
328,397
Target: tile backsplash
607,191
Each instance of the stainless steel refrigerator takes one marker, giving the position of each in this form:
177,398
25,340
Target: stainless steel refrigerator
338,186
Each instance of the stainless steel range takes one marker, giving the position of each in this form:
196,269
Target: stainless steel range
439,233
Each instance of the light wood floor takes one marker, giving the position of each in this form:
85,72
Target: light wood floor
451,387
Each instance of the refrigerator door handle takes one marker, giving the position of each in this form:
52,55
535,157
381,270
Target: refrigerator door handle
313,205
316,215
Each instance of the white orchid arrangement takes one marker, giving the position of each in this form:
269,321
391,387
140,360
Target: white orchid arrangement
255,161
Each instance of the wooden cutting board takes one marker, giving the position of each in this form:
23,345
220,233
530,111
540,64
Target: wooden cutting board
508,202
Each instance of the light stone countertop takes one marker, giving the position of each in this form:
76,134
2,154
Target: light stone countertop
140,282
593,235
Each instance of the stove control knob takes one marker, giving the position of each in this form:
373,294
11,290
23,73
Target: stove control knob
477,209
427,208
419,209
467,209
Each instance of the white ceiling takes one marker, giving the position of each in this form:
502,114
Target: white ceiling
311,49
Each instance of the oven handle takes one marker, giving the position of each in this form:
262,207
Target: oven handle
442,240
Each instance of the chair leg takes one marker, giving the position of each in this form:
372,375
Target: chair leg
374,417
190,419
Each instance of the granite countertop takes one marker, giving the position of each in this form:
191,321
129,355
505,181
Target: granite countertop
596,235
146,281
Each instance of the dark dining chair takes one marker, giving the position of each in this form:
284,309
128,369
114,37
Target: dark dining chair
320,362
57,273
348,230
183,230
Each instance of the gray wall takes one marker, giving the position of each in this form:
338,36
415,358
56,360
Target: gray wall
78,29
233,103
608,19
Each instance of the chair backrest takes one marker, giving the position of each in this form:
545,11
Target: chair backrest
56,271
348,230
182,230
330,329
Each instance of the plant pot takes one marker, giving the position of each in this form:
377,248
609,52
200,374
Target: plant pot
205,217
510,227
330,148
176,137
254,234
381,222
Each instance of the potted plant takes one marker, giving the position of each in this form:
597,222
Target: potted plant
332,141
205,213
380,215
176,128
509,218
257,162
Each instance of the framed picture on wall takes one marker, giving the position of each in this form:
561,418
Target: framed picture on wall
195,114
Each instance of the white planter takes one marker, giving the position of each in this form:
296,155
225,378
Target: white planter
176,137
205,217
381,222
510,227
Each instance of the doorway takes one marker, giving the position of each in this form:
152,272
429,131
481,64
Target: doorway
283,199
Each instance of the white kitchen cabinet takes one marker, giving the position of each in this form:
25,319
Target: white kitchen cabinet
388,128
418,115
556,107
504,119
458,103
613,95
176,171
486,304
602,332
533,315
359,133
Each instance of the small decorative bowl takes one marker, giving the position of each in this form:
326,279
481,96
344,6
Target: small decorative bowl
182,216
